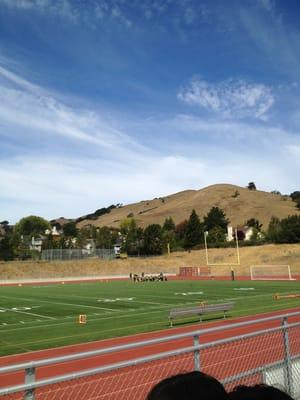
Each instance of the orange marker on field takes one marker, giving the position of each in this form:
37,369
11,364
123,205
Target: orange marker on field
82,319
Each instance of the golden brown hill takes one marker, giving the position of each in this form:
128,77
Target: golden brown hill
239,204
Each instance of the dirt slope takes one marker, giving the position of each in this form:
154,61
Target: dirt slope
288,254
239,204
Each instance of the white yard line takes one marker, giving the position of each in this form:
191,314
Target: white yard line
49,340
59,303
151,302
122,315
29,313
14,346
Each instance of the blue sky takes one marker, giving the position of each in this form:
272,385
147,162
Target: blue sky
105,102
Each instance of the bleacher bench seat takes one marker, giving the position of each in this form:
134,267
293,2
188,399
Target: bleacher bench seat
200,310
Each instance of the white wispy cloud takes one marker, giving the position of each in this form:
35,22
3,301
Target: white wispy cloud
113,168
185,152
89,12
231,98
63,8
25,105
294,151
7,75
68,186
266,4
274,37
94,12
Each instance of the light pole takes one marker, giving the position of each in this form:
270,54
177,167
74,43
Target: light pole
237,254
205,244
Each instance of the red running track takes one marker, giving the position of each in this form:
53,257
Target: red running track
221,362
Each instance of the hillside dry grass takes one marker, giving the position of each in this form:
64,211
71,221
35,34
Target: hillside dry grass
239,204
268,254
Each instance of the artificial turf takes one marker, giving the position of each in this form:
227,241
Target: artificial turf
44,316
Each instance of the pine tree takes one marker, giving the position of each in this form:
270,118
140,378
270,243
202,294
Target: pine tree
215,217
273,229
153,243
169,224
194,231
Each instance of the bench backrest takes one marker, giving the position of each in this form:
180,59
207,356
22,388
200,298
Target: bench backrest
202,309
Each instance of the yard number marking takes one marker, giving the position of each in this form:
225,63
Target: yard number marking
25,310
188,293
116,299
3,310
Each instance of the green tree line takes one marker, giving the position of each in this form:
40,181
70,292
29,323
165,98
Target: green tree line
154,239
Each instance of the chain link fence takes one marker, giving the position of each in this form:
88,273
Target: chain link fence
271,356
76,254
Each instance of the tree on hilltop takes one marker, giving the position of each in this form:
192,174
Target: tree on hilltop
295,196
251,186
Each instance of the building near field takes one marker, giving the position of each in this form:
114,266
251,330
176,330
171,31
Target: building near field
244,233
36,243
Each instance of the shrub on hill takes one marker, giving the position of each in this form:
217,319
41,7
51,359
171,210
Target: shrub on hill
251,186
289,231
295,196
98,213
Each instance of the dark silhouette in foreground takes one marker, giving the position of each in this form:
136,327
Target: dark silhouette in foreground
258,392
190,386
200,386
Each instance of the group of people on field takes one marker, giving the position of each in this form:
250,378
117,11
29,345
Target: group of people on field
147,277
199,386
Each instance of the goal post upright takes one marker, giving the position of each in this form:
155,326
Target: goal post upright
237,247
222,264
229,264
289,271
251,273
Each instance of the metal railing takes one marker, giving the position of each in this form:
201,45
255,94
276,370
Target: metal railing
270,355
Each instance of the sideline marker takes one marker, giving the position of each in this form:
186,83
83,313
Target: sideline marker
285,296
82,319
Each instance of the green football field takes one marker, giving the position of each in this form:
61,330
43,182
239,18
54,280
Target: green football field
44,316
